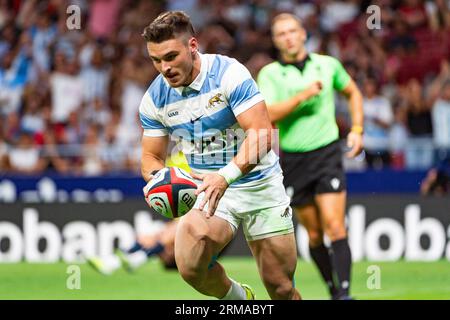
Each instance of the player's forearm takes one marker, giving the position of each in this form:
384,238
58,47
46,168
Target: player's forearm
149,164
281,110
356,108
255,146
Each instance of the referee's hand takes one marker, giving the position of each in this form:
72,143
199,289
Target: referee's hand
355,142
314,89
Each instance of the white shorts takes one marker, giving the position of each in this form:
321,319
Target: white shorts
263,209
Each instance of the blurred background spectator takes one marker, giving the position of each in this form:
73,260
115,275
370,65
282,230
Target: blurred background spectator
419,151
69,98
378,119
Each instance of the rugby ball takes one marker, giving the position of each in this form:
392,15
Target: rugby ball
171,192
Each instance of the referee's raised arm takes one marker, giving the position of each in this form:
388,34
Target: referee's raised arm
281,110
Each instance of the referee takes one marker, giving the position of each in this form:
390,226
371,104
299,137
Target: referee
299,93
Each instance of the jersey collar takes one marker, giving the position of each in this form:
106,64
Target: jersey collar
298,64
197,84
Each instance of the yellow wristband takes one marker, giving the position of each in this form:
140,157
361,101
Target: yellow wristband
357,129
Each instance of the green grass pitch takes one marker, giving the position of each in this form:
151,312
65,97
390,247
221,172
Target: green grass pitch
399,280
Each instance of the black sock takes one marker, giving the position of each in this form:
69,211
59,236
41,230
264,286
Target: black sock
157,248
321,257
342,263
136,247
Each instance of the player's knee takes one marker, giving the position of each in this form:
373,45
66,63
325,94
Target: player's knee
285,290
190,275
282,290
195,277
315,238
279,287
335,230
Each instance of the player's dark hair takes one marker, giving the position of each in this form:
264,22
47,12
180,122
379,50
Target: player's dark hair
168,25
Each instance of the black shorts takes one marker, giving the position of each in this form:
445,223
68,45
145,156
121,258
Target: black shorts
314,172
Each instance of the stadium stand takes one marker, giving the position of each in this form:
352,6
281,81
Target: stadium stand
69,98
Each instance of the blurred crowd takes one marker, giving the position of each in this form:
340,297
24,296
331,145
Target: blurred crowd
69,97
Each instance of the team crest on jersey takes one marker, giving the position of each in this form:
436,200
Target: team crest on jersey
214,100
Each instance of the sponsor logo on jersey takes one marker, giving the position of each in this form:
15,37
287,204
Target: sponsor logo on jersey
198,118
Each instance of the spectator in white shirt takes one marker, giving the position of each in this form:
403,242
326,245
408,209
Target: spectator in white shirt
66,89
441,122
378,119
25,157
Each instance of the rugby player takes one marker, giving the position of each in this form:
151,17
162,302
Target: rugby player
299,92
160,243
200,100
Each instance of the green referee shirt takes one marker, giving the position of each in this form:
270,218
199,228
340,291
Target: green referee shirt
313,123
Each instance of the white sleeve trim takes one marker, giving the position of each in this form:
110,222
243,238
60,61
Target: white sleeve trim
235,75
155,132
248,104
147,106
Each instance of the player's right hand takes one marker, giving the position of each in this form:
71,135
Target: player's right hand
214,186
314,89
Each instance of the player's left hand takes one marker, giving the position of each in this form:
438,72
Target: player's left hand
214,186
355,142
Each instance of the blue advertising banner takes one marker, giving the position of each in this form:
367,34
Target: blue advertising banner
115,188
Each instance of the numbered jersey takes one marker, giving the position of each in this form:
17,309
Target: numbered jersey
202,116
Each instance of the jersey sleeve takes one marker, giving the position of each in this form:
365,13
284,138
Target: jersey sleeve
267,86
149,121
241,90
340,76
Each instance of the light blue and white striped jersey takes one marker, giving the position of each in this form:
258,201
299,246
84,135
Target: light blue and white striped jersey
202,116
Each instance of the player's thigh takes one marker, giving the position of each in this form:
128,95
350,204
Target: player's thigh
330,192
332,213
308,216
197,238
276,258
